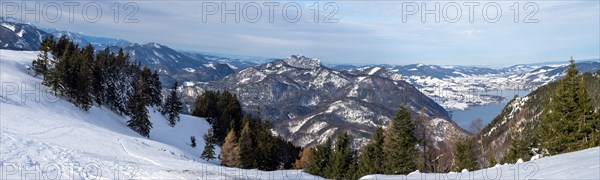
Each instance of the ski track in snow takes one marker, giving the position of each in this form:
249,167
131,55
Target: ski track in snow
49,134
136,156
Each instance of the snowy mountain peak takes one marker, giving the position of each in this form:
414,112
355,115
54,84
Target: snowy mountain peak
13,20
18,35
155,45
300,61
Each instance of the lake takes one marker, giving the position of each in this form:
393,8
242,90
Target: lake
487,113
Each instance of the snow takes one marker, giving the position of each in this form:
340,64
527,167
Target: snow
232,66
191,70
210,65
20,33
535,157
9,26
188,84
359,79
158,54
584,164
245,80
374,70
44,136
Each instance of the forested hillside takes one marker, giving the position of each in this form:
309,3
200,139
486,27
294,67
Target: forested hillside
564,110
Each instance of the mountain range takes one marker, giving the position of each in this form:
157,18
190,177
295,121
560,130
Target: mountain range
306,99
308,102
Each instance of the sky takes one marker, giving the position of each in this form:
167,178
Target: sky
350,31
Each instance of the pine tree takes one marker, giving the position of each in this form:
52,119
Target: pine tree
208,153
206,106
154,87
518,149
352,172
341,158
172,106
84,79
40,65
567,120
287,153
399,144
222,110
270,152
139,114
464,156
247,145
319,159
60,47
230,151
231,113
371,158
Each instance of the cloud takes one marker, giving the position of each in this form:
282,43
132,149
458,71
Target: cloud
366,31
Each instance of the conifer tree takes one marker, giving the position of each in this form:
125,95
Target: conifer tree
40,65
155,88
247,145
352,172
270,153
84,79
97,77
399,144
341,158
518,149
231,114
319,159
206,106
139,114
208,153
172,105
464,156
567,120
60,47
230,151
222,110
371,158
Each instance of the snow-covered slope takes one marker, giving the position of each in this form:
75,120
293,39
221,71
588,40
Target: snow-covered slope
583,164
18,35
42,136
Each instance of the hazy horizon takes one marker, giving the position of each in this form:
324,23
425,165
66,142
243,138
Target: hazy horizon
346,32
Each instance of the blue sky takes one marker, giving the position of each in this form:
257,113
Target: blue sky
365,32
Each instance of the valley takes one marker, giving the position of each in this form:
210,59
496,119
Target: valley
79,106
